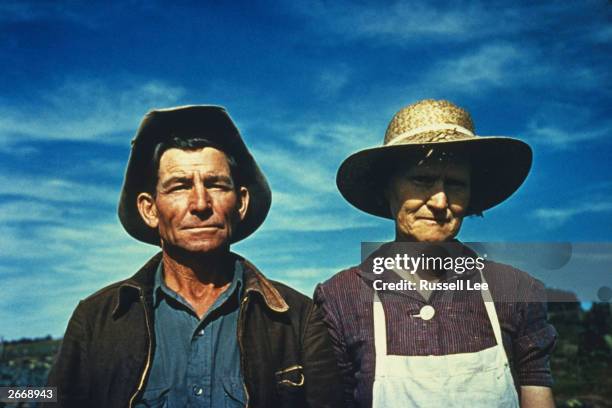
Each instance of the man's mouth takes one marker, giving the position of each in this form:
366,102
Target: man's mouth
203,227
434,220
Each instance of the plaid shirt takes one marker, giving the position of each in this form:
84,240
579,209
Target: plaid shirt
460,325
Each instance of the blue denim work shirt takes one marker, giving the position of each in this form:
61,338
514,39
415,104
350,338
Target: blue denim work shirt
196,361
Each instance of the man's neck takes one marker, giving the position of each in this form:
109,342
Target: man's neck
200,279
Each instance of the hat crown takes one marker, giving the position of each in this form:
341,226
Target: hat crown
429,121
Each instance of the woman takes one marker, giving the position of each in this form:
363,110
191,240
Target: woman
435,337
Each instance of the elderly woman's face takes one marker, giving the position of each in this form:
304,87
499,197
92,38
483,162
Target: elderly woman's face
428,201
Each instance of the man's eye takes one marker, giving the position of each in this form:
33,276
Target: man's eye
219,186
423,180
456,183
179,187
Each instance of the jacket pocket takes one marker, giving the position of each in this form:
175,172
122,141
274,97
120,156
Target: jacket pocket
290,377
290,387
234,393
155,398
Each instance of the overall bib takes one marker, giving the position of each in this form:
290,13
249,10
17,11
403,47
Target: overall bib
479,379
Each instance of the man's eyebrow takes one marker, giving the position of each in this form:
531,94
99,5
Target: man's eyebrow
213,177
421,171
176,179
208,177
458,179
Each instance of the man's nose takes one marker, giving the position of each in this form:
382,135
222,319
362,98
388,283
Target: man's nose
200,199
438,199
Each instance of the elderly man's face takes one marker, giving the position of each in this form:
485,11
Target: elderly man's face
428,201
197,206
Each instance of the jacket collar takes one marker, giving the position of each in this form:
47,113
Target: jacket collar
255,281
143,281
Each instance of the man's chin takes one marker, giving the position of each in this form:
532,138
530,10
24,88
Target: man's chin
430,236
440,234
200,247
438,238
207,247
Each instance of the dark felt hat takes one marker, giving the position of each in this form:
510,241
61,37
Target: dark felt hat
209,122
499,165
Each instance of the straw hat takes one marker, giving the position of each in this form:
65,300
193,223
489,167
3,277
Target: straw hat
210,122
499,164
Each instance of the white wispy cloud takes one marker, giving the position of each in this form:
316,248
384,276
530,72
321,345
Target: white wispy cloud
91,15
556,217
293,201
107,166
296,170
335,137
330,81
493,42
19,243
410,21
404,23
601,34
490,65
316,221
51,189
563,138
21,11
563,125
72,260
303,175
28,211
85,110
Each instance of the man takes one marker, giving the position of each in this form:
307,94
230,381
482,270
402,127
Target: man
430,335
197,325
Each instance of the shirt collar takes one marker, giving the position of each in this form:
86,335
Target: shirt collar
141,285
160,288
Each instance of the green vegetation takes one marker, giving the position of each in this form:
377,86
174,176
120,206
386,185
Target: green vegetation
27,362
582,360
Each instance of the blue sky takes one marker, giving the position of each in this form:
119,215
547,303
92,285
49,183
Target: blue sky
307,83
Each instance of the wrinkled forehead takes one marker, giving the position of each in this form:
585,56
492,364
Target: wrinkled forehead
177,160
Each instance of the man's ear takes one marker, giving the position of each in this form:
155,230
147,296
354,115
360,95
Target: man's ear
243,201
147,209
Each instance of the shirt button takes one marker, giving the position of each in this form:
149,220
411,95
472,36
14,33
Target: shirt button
197,390
427,312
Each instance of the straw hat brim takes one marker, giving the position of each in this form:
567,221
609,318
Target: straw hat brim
157,126
499,165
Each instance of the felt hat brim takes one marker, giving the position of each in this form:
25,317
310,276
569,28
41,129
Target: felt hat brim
210,122
499,165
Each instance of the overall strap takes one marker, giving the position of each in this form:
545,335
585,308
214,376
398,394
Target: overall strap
380,333
491,312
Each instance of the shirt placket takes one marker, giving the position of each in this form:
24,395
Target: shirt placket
423,328
199,386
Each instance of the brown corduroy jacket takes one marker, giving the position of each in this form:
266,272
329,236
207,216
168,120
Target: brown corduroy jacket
286,356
